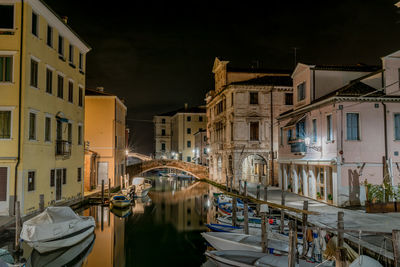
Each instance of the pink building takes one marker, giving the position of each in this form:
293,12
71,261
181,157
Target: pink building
343,128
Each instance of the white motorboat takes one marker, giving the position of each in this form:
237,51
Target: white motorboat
234,241
141,186
242,258
254,222
63,257
55,228
365,261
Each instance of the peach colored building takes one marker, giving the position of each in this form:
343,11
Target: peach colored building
343,129
105,140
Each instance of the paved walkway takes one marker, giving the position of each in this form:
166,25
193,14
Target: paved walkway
353,219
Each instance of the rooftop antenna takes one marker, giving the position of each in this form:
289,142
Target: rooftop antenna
295,55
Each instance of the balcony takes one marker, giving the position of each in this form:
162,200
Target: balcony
63,148
298,146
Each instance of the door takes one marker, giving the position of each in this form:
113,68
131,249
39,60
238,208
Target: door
3,190
58,184
102,172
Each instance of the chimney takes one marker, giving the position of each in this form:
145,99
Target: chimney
100,88
186,106
65,19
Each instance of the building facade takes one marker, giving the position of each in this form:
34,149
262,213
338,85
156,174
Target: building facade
174,132
342,132
106,137
241,114
201,149
42,81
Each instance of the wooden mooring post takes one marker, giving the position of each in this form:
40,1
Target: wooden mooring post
341,258
17,225
292,244
234,205
102,192
304,226
231,183
264,228
396,247
109,189
246,210
282,212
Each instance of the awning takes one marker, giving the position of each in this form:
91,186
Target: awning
60,117
294,120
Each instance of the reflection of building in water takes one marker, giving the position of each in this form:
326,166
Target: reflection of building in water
109,246
185,209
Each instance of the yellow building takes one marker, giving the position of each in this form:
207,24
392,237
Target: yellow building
42,81
105,136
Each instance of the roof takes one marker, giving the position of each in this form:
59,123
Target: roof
197,109
89,92
357,67
268,80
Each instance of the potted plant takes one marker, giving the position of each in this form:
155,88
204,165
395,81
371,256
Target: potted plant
318,195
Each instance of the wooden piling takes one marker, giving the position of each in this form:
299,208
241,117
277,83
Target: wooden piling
340,226
282,213
341,257
292,244
102,192
396,247
234,205
245,189
231,183
264,232
17,225
109,189
246,216
341,260
304,225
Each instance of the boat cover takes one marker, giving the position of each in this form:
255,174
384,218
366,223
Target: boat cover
365,261
138,181
54,222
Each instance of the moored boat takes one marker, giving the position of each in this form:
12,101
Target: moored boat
56,227
119,201
141,186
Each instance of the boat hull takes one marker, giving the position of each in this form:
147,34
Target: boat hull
51,245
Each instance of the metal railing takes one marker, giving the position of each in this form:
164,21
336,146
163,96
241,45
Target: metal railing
63,148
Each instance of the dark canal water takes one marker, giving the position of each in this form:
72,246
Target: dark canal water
162,229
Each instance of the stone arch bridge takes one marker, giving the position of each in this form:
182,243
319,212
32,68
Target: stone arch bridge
198,171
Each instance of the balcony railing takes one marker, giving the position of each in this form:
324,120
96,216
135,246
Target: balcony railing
298,147
63,148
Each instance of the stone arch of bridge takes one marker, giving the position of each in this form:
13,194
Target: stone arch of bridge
197,171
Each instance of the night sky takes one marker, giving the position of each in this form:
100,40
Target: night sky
159,55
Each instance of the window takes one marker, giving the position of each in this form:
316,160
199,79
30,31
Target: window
396,126
163,121
79,134
80,61
253,98
49,81
301,129
353,131
289,135
49,36
71,54
301,91
52,178
200,118
47,129
80,100
188,159
59,130
5,124
281,136
6,68
189,144
6,17
32,126
188,118
70,92
232,100
163,132
329,134
70,133
254,131
188,130
162,146
35,24
79,174
314,130
31,180
61,45
34,73
64,176
288,99
60,86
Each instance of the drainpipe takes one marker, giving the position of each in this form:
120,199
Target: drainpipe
385,138
272,137
19,105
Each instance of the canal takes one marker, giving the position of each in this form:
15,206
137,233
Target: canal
162,229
